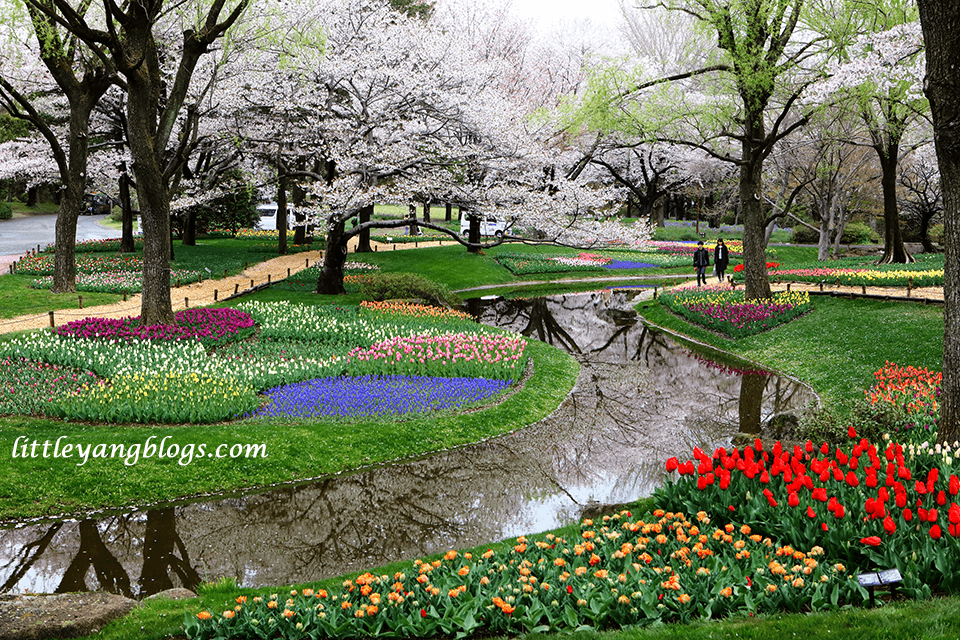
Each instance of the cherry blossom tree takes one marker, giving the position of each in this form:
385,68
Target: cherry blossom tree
394,110
41,57
877,77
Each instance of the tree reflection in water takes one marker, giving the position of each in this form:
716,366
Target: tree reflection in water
640,398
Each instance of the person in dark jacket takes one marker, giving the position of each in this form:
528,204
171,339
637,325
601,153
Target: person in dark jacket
701,260
721,257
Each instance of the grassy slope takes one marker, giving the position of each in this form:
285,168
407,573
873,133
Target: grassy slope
837,347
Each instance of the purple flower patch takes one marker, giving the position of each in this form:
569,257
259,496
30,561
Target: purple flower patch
208,325
376,396
623,264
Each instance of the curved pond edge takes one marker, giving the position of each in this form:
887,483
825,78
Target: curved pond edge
707,349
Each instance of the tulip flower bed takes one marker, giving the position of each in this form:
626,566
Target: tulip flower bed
526,263
27,387
734,247
866,277
719,308
376,396
110,245
926,272
463,354
907,396
113,274
868,508
167,397
615,572
209,326
165,374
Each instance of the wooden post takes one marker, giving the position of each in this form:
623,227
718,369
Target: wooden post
821,285
863,289
215,292
268,278
251,283
186,302
236,288
51,320
788,287
288,272
80,301
308,263
124,297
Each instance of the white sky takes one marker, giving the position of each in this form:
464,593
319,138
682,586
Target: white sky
603,13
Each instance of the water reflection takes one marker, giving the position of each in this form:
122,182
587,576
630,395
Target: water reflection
640,398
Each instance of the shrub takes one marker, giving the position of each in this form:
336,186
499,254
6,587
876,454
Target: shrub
394,286
859,233
5,211
936,233
804,235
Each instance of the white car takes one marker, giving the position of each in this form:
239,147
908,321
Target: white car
488,226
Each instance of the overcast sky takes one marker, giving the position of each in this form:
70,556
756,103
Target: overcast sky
604,13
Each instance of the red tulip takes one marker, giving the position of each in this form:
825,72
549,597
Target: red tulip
852,479
811,513
673,464
569,588
954,485
889,526
907,515
793,499
851,432
954,513
820,494
871,541
935,532
941,498
932,515
823,525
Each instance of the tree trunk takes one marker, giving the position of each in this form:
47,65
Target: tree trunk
941,31
426,211
473,235
756,282
449,212
414,229
190,227
330,281
363,241
127,245
893,249
65,257
282,216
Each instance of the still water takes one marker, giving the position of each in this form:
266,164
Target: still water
640,398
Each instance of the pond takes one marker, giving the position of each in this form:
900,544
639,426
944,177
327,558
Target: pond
640,398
